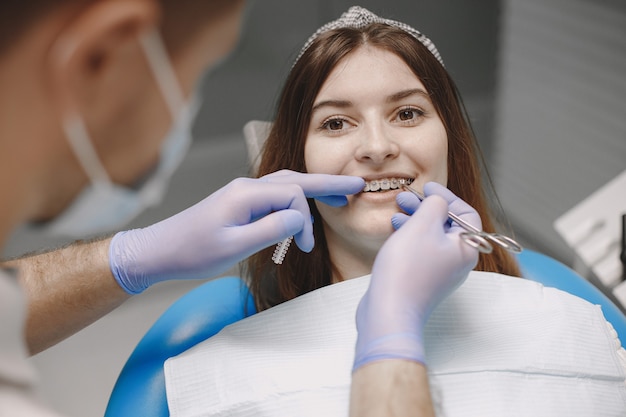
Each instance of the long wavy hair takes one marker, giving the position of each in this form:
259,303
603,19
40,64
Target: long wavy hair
284,149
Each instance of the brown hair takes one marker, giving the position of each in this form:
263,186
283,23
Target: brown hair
284,149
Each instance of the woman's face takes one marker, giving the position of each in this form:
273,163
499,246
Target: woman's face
373,118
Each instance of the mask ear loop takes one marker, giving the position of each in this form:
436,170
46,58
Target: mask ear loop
80,142
167,80
74,126
75,130
163,71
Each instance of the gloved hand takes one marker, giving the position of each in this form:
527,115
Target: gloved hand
416,268
409,203
231,224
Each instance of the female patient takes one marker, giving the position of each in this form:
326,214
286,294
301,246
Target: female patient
375,102
369,97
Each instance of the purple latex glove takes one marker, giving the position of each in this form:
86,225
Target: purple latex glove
236,221
417,267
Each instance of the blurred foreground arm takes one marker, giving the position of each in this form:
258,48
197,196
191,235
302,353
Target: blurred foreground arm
67,289
392,387
70,288
419,265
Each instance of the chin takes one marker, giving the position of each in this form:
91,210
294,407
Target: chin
364,227
371,236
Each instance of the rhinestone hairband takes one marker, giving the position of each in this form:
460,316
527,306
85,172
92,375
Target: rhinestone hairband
357,17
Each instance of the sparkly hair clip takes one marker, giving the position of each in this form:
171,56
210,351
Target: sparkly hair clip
357,17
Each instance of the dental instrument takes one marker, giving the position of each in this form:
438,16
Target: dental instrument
475,237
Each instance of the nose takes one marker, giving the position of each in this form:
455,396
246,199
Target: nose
376,145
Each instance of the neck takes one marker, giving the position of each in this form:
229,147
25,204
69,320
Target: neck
350,261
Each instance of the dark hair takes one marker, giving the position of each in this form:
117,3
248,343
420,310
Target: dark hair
284,149
184,17
17,16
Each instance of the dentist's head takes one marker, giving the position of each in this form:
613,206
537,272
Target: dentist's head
97,103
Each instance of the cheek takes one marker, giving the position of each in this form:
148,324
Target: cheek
442,166
439,157
431,156
323,158
310,161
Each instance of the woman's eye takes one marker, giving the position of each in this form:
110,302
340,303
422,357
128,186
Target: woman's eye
335,124
409,114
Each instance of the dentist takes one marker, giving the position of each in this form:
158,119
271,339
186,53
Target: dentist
95,116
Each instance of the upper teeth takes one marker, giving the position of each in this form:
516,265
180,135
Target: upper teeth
386,184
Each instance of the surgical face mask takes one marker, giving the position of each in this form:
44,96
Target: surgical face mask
104,206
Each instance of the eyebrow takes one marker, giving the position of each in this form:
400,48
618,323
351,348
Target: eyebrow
407,93
342,104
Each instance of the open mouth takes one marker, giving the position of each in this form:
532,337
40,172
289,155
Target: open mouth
386,184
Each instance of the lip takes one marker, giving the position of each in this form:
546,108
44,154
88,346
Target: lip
387,175
378,197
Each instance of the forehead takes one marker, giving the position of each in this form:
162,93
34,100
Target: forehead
368,69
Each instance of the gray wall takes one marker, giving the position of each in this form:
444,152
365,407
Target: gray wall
247,86
561,111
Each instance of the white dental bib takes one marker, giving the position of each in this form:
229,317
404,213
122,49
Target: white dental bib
499,346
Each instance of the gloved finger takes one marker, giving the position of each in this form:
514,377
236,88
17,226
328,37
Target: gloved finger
408,202
271,229
268,198
318,185
456,205
261,199
333,200
469,254
431,217
431,188
434,209
398,219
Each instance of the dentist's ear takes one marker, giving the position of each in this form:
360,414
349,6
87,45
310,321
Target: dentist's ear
92,49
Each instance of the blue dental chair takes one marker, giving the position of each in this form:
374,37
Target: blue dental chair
204,311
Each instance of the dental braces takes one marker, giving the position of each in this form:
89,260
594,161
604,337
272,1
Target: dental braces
386,184
281,250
